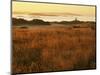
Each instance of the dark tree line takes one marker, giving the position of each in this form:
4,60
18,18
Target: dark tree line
21,22
32,22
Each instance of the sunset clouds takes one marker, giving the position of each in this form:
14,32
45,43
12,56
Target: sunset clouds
31,9
52,9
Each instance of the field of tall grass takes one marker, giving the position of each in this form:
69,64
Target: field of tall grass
53,49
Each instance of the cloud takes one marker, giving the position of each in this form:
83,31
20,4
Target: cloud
48,14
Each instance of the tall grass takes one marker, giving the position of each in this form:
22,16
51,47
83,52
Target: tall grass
53,49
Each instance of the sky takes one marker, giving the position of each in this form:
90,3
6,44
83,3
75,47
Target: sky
52,12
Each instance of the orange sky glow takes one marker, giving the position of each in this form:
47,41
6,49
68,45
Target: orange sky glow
52,10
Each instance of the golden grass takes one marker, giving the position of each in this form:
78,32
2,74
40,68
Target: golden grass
53,49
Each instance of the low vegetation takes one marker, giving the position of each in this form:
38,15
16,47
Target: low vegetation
53,49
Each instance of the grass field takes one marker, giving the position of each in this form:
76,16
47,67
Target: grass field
58,48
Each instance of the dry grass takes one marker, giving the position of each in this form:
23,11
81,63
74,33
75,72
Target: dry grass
53,49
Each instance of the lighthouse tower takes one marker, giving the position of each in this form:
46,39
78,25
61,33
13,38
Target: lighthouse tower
76,19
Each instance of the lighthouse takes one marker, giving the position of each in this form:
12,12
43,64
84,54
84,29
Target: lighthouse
76,20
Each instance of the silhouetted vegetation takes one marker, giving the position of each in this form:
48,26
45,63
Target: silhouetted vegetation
25,22
21,22
74,22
